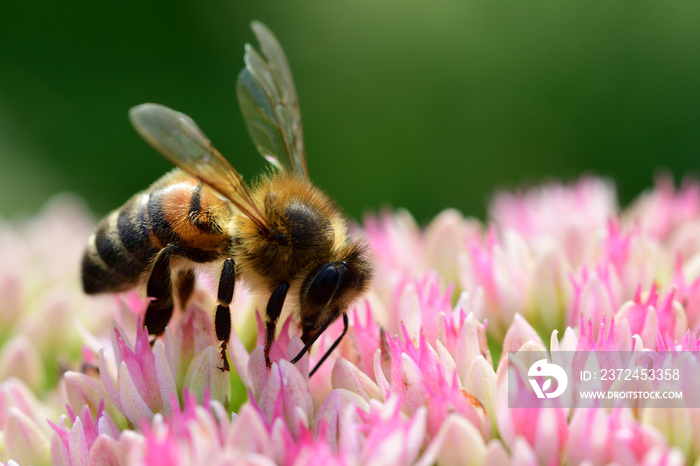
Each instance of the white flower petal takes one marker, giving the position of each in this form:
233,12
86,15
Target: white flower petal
133,405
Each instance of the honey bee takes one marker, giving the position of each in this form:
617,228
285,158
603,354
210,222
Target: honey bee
284,235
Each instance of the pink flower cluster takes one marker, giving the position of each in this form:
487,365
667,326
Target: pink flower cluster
422,375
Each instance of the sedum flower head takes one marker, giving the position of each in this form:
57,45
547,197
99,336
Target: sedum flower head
421,376
40,295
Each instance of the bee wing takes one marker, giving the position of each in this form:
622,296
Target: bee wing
177,137
270,106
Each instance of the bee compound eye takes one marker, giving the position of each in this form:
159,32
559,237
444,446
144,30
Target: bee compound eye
324,283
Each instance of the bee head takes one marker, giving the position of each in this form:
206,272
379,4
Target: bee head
331,287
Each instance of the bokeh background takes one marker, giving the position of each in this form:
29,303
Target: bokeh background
415,104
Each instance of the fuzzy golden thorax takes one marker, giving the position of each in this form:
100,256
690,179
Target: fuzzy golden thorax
305,229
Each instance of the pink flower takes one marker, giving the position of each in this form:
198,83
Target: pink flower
139,380
599,437
501,270
40,295
194,435
283,393
420,302
554,269
596,294
25,434
544,429
420,380
389,438
654,318
87,440
362,343
663,212
556,214
518,335
605,339
632,257
688,292
403,251
395,239
145,382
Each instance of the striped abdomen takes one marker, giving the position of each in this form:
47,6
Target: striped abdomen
177,210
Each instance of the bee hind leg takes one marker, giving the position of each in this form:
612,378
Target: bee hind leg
273,311
222,318
159,292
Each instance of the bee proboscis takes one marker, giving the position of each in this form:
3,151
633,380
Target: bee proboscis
284,235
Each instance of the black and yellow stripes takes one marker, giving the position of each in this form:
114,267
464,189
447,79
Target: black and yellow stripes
175,211
107,264
133,230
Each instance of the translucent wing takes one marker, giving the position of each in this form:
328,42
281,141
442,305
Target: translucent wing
269,104
177,137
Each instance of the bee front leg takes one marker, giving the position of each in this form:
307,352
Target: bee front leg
222,318
160,293
274,309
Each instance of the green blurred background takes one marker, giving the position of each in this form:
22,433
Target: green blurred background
423,105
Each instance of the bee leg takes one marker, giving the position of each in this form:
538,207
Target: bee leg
274,309
185,286
222,318
159,291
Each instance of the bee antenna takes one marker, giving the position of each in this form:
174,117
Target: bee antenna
313,340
